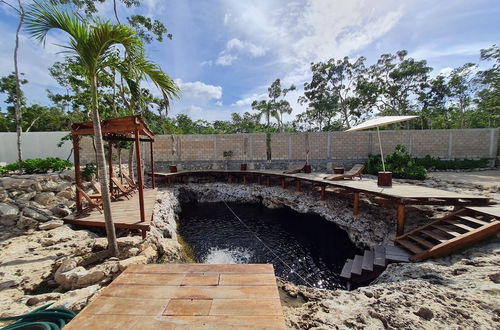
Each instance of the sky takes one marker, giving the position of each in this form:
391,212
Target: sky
226,53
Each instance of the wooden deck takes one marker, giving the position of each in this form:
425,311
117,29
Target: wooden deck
126,213
399,195
187,296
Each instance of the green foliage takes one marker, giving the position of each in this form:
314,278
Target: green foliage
451,164
400,163
89,171
36,166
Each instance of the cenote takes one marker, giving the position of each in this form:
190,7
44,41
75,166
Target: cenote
304,249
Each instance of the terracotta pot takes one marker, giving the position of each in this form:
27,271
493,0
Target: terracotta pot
173,168
338,170
243,167
307,168
384,179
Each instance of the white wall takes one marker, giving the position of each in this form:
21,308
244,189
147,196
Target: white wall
34,145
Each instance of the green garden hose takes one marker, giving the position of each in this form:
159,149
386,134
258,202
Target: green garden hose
42,318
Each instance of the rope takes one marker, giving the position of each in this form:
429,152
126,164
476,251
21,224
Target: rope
266,246
42,318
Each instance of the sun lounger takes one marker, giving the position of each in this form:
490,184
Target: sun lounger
355,171
93,203
120,190
130,182
297,170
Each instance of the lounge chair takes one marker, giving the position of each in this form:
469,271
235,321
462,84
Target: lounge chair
93,203
355,171
120,190
296,170
130,182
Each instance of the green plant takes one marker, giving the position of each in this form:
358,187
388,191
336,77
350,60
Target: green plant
401,163
451,164
89,171
36,165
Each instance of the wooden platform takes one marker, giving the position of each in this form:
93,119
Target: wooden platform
187,296
126,213
399,195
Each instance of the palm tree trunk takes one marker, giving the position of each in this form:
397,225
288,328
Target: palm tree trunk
17,105
103,174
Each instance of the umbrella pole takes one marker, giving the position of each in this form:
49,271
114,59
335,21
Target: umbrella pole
381,153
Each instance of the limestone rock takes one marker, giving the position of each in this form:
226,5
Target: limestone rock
49,185
79,277
8,213
37,214
26,223
45,198
27,196
60,210
77,299
3,195
20,184
51,224
68,194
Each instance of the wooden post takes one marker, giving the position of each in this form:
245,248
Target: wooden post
140,179
258,178
268,181
298,187
355,210
401,220
283,183
153,183
110,165
244,179
78,177
323,192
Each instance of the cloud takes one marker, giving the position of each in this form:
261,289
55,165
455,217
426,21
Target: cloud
246,101
199,91
235,47
433,51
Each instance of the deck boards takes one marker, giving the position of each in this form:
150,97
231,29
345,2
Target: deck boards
187,296
126,213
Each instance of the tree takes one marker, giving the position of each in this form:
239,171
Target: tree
461,89
15,97
434,111
93,44
18,80
488,98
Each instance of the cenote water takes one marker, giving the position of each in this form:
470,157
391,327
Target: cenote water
304,249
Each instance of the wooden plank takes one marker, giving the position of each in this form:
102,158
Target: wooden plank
396,250
379,256
458,224
489,210
473,220
126,306
447,230
202,268
434,235
421,241
357,265
250,307
368,260
247,279
346,270
149,279
223,322
188,307
195,279
409,245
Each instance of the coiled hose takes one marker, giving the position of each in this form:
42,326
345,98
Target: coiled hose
42,318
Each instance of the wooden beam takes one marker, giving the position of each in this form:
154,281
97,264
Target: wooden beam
401,220
323,192
355,208
298,185
78,177
140,179
152,165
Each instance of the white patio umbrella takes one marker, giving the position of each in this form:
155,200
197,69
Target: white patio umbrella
377,122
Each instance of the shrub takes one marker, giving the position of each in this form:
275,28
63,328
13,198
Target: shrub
89,171
400,163
453,164
36,165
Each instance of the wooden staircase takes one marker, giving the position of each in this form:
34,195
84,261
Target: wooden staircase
366,267
451,233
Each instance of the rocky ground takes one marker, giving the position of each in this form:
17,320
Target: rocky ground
42,260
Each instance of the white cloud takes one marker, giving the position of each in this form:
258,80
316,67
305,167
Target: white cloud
199,91
235,47
246,101
430,51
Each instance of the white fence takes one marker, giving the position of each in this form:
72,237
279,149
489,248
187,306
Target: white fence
34,145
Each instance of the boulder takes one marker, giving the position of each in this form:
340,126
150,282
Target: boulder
37,214
60,210
26,223
51,224
20,184
79,277
3,195
26,196
65,266
8,213
68,175
45,198
64,186
68,194
49,186
77,299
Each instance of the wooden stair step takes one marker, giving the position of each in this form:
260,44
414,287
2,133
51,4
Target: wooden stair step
368,260
434,235
396,250
447,230
473,220
379,256
410,246
346,270
356,265
421,241
458,224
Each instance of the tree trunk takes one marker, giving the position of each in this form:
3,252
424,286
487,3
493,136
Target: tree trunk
17,105
119,150
103,174
131,163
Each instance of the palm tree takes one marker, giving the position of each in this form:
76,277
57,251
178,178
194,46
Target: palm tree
94,45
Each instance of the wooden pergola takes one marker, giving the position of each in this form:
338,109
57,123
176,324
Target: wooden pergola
130,128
